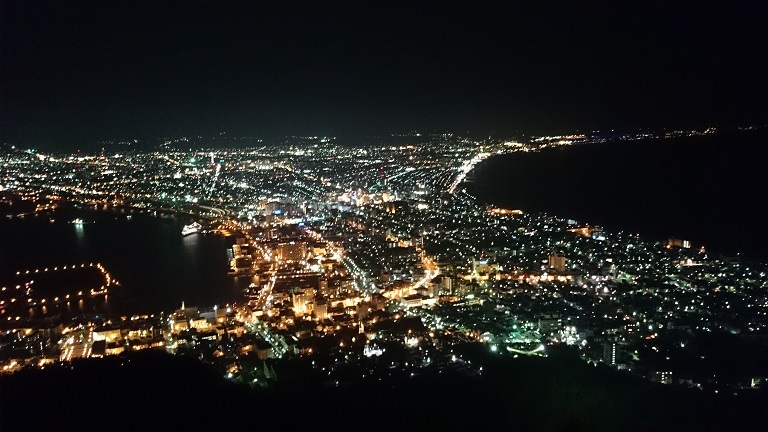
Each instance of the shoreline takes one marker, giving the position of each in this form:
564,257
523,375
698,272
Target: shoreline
134,287
655,224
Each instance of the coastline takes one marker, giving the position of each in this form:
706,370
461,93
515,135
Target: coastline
158,267
571,182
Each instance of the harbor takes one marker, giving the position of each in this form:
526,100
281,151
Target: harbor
176,267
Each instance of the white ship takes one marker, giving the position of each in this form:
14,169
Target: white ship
191,228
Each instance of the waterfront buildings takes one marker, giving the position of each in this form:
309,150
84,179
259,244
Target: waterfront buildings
355,253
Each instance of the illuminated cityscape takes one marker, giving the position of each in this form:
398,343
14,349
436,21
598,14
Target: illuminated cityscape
353,252
420,215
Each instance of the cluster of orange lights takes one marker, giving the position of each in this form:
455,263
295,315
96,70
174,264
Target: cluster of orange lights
25,291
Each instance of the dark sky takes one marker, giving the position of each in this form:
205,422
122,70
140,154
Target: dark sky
76,71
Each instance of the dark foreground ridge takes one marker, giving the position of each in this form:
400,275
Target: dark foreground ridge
154,389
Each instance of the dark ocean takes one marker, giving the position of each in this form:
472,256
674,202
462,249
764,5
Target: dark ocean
708,189
156,266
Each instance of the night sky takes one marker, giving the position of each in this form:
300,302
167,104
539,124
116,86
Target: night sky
77,71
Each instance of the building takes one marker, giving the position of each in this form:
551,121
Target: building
242,265
446,286
200,323
484,267
99,348
108,334
302,300
263,349
610,353
557,263
363,309
585,231
291,251
178,325
678,243
663,377
550,324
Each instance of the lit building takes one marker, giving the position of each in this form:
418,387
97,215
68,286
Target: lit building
199,323
663,377
610,353
107,334
550,324
583,231
557,262
678,243
483,267
321,309
302,299
291,251
114,348
446,286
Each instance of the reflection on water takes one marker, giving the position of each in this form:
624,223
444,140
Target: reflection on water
79,232
157,267
190,246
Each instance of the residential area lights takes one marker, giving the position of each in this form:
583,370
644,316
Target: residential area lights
359,252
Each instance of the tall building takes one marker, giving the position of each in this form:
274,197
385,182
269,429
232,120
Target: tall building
446,286
550,324
557,263
321,308
610,353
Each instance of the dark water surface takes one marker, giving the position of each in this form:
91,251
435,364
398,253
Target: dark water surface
711,190
156,266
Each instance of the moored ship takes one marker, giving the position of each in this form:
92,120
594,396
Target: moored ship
192,228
